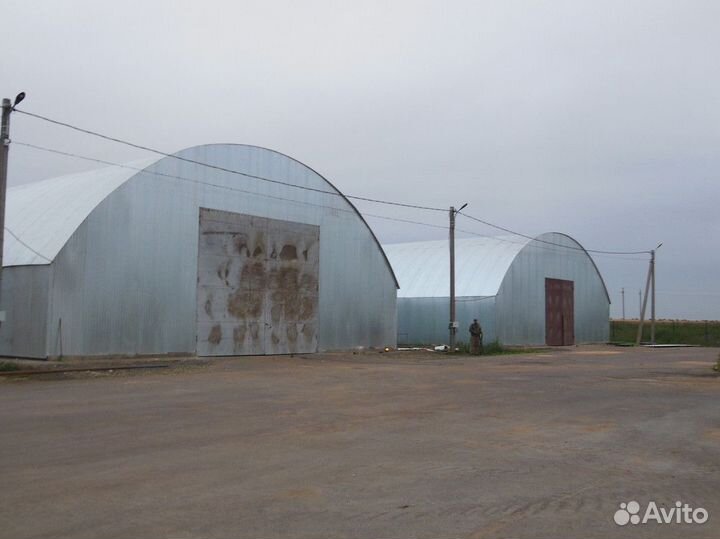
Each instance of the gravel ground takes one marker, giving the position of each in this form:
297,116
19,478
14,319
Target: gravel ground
404,444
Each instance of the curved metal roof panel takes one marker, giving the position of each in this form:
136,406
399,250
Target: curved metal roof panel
41,216
481,263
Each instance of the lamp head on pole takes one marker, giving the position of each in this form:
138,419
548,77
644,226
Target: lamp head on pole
18,99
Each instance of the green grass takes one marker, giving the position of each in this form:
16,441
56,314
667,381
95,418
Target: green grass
494,348
704,333
6,366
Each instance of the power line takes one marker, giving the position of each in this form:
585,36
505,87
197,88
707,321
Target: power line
553,247
223,169
26,245
474,299
509,231
687,293
219,186
288,184
410,221
275,197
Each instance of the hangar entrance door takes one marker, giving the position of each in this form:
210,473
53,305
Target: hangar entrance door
559,312
257,285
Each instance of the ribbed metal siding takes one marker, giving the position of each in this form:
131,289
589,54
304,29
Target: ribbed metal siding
125,283
425,320
480,266
45,214
521,298
25,302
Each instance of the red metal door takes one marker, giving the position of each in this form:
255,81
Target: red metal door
559,312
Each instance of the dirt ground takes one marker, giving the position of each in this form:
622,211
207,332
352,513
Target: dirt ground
405,444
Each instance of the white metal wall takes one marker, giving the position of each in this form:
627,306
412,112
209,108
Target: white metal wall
516,315
425,320
125,283
25,302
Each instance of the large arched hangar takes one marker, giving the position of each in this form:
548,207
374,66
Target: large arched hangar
172,256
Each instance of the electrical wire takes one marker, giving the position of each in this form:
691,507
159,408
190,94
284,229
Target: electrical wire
513,232
288,184
223,169
275,197
686,293
26,245
553,247
410,221
219,186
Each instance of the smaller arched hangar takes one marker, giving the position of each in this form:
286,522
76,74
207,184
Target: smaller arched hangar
542,291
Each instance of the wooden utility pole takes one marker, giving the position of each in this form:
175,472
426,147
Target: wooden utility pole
7,108
5,143
4,151
622,293
452,327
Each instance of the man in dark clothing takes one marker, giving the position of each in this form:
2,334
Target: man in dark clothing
476,335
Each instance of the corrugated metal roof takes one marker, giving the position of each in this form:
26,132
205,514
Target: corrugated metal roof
45,214
42,216
423,267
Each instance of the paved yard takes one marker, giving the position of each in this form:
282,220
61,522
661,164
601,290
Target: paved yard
371,445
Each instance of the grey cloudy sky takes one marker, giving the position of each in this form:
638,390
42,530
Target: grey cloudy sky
598,119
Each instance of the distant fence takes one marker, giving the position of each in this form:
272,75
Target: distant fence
704,333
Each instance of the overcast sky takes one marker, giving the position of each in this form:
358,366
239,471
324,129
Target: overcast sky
598,119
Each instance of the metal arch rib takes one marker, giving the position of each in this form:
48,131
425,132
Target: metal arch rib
340,193
576,242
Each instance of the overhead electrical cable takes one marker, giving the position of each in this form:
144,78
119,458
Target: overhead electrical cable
275,197
295,186
515,233
551,246
26,245
224,169
219,186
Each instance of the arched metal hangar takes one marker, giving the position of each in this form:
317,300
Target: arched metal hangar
542,291
169,256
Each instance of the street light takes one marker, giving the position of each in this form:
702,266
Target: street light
452,327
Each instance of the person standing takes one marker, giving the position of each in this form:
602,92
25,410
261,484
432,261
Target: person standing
476,336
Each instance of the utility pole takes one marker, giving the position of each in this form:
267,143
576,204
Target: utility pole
622,293
7,108
4,151
452,327
648,284
652,304
644,305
